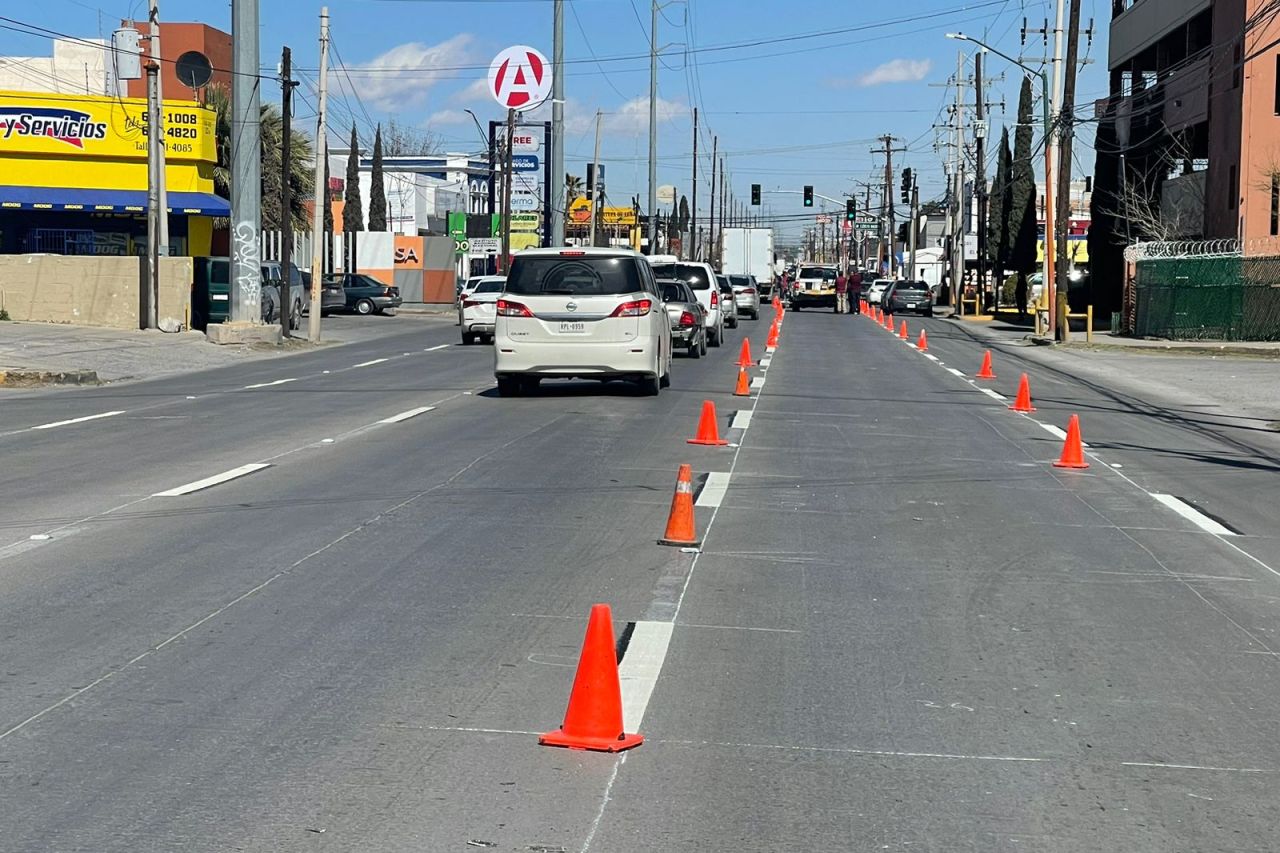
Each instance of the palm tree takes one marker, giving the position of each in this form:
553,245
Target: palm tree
572,189
301,162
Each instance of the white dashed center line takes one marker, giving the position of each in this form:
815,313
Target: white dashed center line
215,480
714,491
1193,515
404,416
79,420
434,349
269,384
371,363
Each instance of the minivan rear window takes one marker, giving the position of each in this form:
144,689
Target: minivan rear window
540,275
691,274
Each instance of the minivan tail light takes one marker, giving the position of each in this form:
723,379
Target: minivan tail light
638,308
715,298
507,308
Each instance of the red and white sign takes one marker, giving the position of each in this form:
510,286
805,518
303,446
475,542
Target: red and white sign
520,78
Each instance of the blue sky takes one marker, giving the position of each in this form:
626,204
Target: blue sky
796,92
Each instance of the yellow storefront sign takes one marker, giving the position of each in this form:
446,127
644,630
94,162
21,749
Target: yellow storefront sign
619,216
1077,250
53,140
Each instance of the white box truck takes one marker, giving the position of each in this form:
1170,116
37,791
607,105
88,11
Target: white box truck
749,251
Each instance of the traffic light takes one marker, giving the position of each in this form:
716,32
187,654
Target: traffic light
906,186
850,212
755,194
808,196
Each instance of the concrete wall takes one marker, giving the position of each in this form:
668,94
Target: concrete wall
1145,23
90,291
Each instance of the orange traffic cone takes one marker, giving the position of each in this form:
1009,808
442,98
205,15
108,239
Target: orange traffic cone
888,322
1073,447
923,343
743,388
985,372
593,719
772,340
681,529
1023,401
744,356
709,427
902,332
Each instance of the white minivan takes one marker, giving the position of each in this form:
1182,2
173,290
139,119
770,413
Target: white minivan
581,314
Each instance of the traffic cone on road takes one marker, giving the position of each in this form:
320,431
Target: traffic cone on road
902,332
1073,447
985,372
593,719
708,427
772,340
743,388
682,531
923,343
1023,401
744,355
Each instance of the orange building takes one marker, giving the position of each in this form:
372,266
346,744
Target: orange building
175,40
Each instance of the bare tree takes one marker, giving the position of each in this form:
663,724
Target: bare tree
1155,209
403,140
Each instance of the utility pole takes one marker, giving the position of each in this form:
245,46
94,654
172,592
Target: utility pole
556,225
595,182
246,166
321,195
286,196
506,194
694,252
915,225
980,178
888,151
716,237
959,216
711,225
653,127
1051,180
1066,131
158,197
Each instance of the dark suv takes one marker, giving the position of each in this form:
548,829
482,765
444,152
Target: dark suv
908,296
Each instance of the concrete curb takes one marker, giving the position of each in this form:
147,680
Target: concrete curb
26,378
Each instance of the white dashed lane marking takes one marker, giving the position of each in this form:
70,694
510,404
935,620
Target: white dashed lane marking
215,480
84,419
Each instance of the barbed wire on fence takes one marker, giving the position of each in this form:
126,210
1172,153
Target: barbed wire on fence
1182,249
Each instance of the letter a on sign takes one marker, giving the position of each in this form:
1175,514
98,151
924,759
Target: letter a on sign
520,78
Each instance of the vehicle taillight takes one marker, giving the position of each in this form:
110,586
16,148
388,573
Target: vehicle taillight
715,298
390,291
687,319
507,308
749,291
638,308
469,303
572,254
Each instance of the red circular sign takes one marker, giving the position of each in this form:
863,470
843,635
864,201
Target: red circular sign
520,78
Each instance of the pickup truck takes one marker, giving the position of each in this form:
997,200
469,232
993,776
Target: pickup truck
815,287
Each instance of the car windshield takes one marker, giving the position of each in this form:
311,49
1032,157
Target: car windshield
494,286
817,272
691,274
595,275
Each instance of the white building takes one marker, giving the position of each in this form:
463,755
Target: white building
77,67
421,188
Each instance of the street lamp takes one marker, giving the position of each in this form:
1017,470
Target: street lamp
1050,238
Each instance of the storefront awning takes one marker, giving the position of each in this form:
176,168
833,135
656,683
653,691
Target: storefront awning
107,201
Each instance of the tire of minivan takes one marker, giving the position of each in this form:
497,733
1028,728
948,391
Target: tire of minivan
649,386
509,386
695,349
715,339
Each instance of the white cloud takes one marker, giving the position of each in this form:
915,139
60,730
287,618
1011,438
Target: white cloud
476,90
403,75
896,71
447,117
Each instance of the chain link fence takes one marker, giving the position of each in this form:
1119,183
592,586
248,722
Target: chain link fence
1205,291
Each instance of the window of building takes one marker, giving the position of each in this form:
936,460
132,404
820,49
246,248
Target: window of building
1275,205
1233,188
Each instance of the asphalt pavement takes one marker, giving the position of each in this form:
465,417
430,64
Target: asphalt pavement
904,630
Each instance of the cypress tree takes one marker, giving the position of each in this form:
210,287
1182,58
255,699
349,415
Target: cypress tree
1000,200
1020,221
352,212
377,192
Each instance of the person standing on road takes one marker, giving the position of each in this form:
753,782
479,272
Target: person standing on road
855,292
842,293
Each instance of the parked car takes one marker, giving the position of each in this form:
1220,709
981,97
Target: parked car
877,289
728,304
688,317
274,275
332,297
581,313
908,296
702,281
746,295
211,293
476,316
364,294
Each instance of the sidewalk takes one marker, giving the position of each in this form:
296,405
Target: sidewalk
1235,380
35,353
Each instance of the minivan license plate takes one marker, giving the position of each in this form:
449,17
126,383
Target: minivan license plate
568,328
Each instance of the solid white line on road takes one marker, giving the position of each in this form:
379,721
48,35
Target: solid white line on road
640,668
757,382
741,419
992,394
930,356
1056,432
1197,767
404,416
79,420
955,372
713,492
269,384
1193,515
433,349
215,480
371,363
